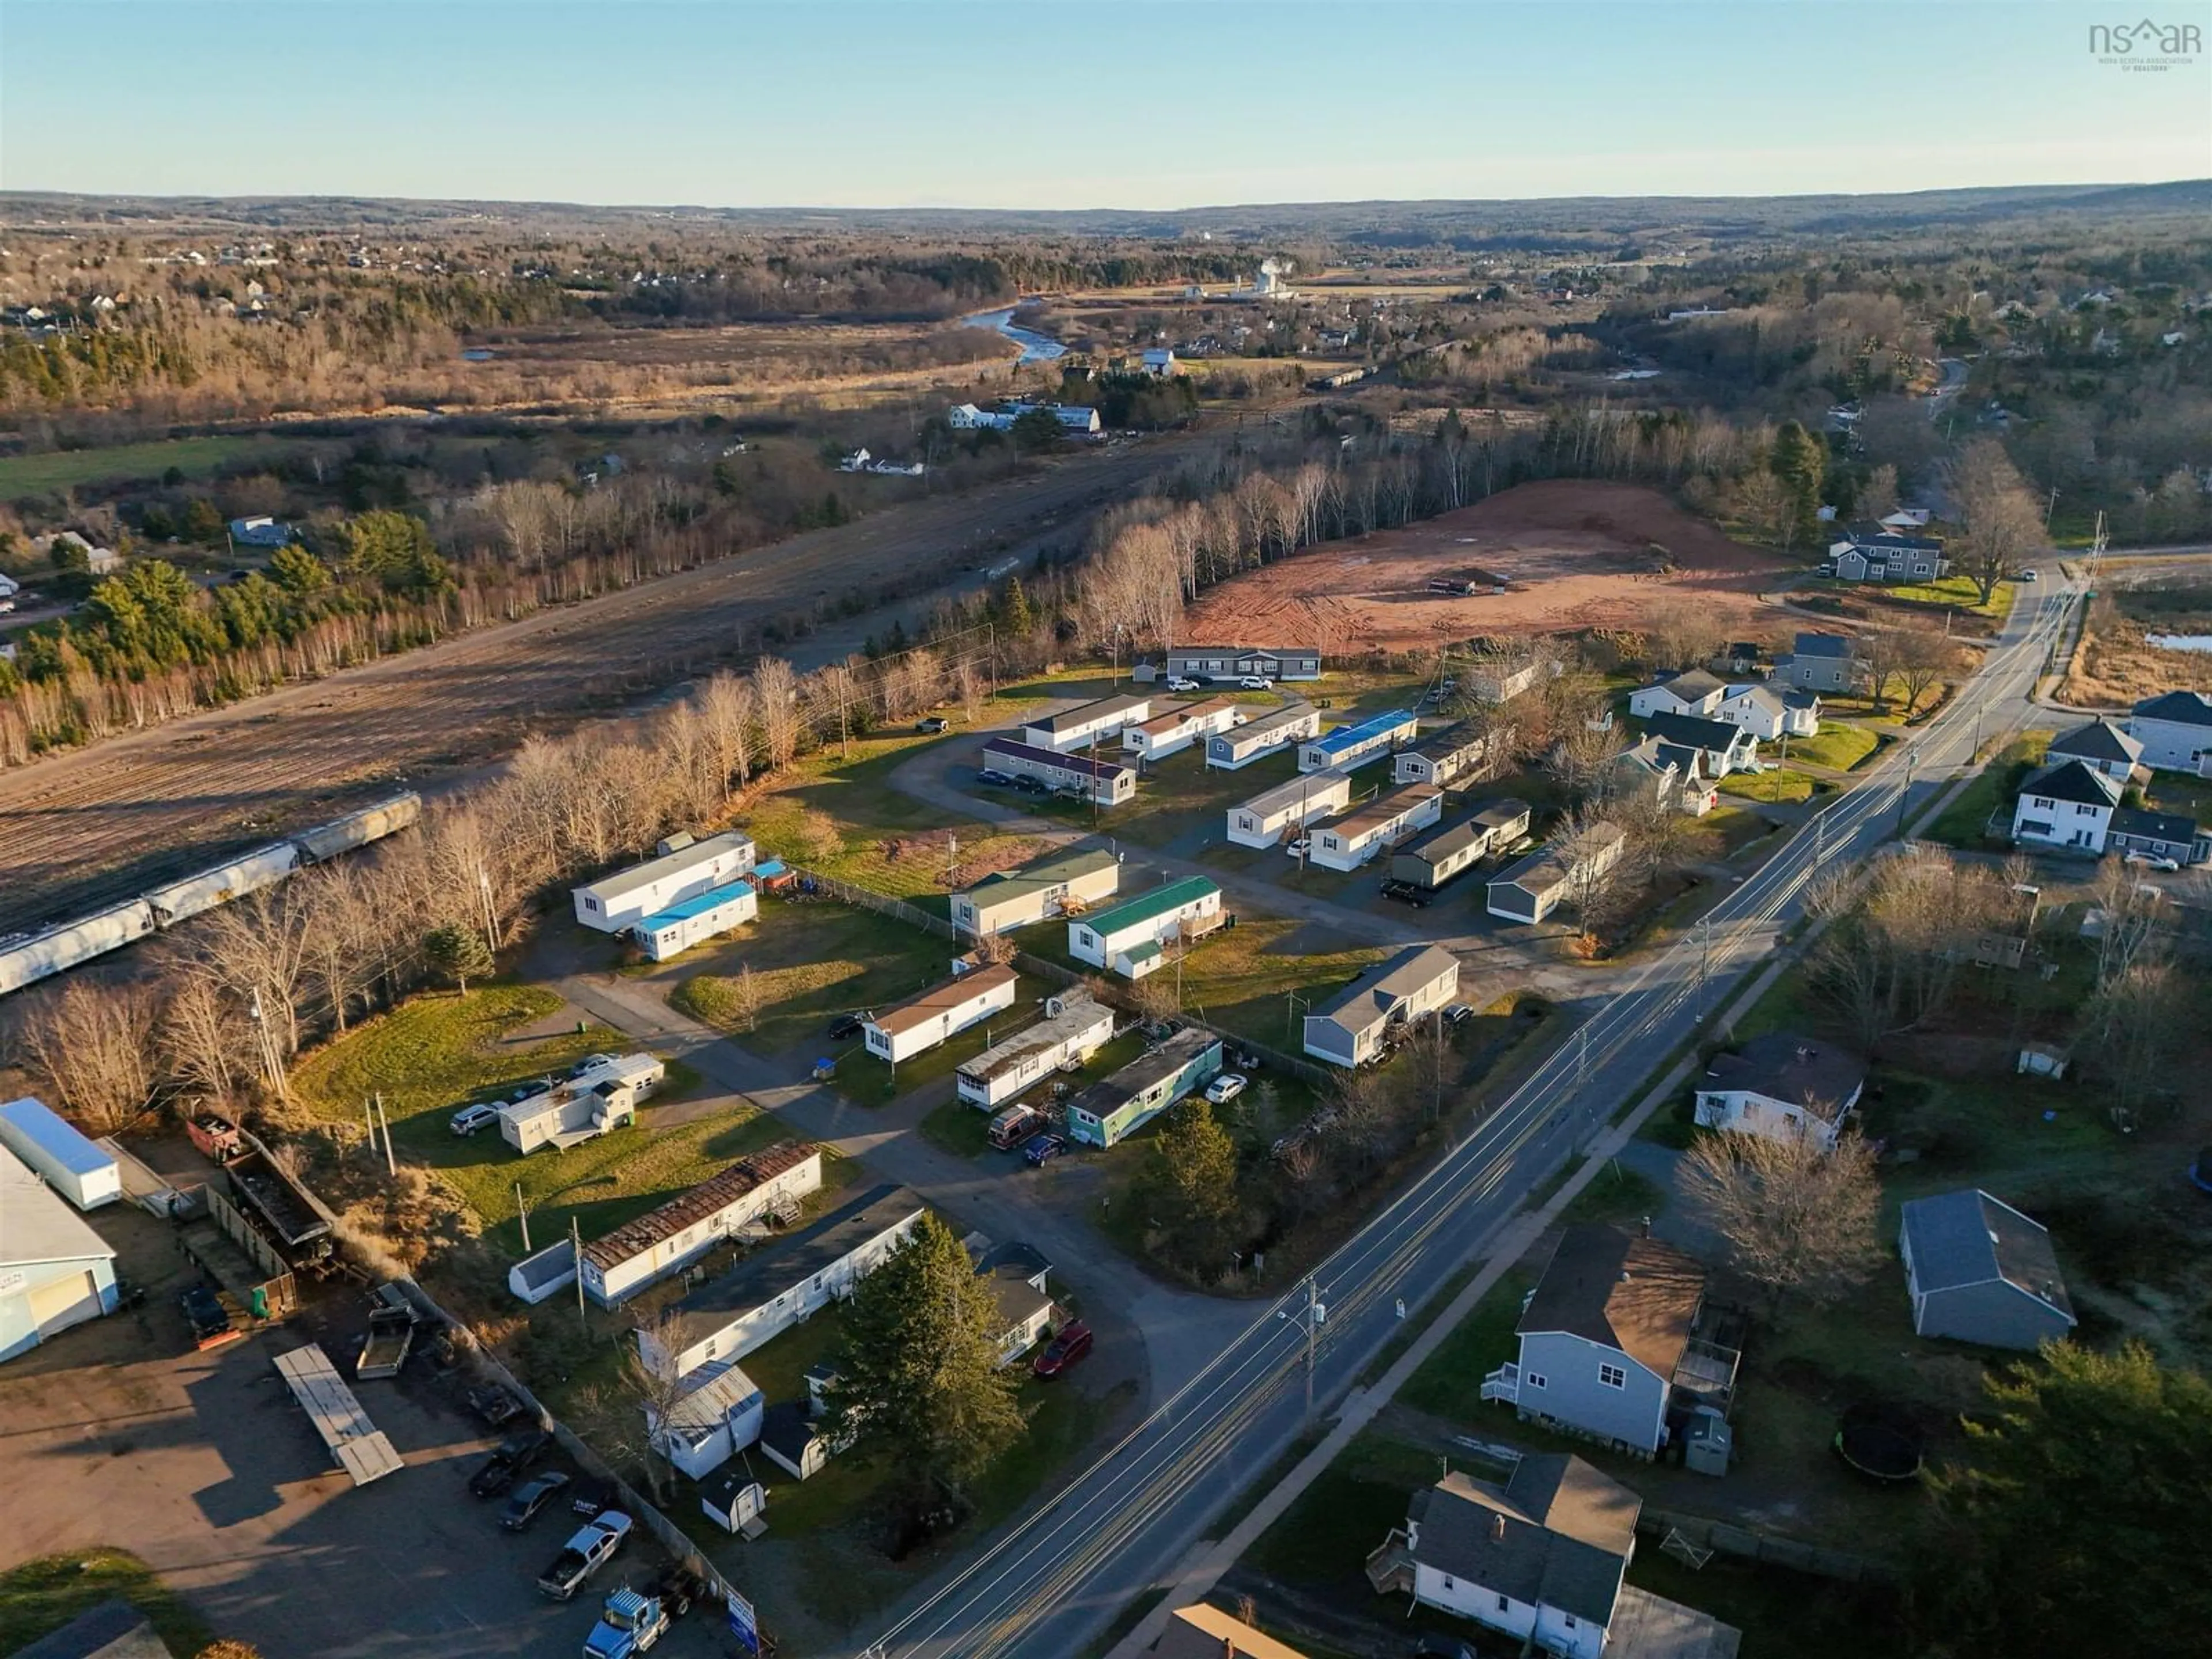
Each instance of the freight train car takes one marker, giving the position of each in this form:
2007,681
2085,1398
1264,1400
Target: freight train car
57,950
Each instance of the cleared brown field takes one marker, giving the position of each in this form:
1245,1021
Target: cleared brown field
2116,663
1572,555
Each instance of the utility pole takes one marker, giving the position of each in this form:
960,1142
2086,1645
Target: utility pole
1315,1313
1704,960
391,1163
522,1211
1582,1055
1905,795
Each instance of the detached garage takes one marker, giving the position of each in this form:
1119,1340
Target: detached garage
55,1272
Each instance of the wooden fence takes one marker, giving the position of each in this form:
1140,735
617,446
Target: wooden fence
1764,1548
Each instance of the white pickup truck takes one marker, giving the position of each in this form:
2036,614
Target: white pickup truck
584,1553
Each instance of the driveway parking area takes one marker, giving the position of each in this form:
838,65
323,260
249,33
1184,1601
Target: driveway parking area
118,1433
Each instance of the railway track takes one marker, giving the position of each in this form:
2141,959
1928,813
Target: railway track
82,829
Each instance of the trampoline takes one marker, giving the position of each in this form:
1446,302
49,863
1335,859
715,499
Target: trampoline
2200,1172
1879,1444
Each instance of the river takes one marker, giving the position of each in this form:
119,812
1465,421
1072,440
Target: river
1035,347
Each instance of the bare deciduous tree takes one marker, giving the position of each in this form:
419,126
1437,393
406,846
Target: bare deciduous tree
775,708
91,1046
1999,514
1921,659
1798,1219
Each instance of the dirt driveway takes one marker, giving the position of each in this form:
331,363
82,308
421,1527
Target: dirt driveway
116,1433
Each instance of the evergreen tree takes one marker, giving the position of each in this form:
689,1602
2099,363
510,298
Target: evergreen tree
1191,1175
1016,614
919,1387
1800,459
458,953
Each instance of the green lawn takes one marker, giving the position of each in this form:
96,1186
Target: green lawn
1952,593
812,960
1450,1382
1772,789
1963,822
72,468
1835,745
1324,1538
868,1081
436,1052
1239,978
40,1596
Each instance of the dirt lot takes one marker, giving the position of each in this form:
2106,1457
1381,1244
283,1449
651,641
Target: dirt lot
101,823
2116,664
1574,555
202,1465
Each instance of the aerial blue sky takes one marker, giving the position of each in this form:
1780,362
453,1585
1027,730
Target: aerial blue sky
1129,103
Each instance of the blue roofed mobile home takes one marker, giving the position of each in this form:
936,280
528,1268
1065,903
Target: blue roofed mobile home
1349,746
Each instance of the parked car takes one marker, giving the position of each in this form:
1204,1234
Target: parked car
1071,792
585,1553
532,1496
992,776
470,1119
1300,847
2027,575
495,1404
1406,892
1225,1088
209,1320
1458,1014
1030,786
2154,860
1064,1350
508,1461
1014,1126
581,1066
845,1027
1434,1646
1042,1149
1256,682
932,725
1181,682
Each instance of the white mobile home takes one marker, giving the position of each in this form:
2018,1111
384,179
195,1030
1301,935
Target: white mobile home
1376,827
777,1285
687,922
1076,728
55,1271
1241,745
1354,1026
1108,781
600,1097
1127,938
1172,732
1455,755
1351,746
770,1181
920,1023
1265,820
1058,882
72,1165
709,1425
1073,1028
683,869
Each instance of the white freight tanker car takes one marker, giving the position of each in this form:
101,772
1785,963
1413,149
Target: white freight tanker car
42,955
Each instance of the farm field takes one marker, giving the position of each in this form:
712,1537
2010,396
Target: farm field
1574,555
72,468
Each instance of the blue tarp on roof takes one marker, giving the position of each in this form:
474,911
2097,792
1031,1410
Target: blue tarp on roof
1351,737
698,904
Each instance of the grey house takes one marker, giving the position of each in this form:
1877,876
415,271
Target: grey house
1434,859
1455,755
2100,746
1979,1271
1288,662
1609,1340
1353,1027
2175,731
1821,662
2157,836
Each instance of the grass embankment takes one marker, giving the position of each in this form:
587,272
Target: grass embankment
439,1052
1835,745
1768,788
1241,978
40,1596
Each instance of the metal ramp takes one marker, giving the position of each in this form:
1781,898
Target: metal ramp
357,1445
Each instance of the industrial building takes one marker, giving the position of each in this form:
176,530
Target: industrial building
770,1182
1058,882
1074,1028
683,869
920,1023
1376,827
55,1272
1127,938
1107,783
1351,746
1241,745
1120,1105
1269,816
694,921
